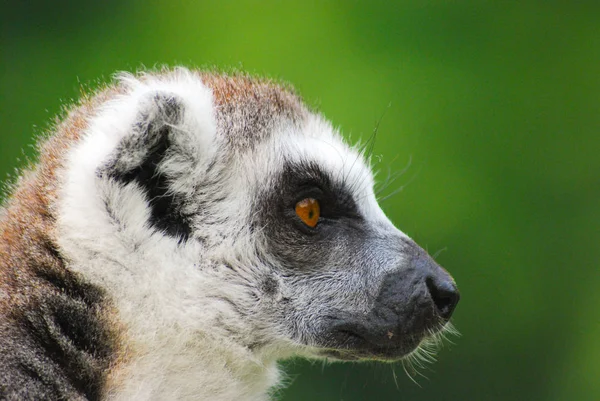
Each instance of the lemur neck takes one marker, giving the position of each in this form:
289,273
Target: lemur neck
193,370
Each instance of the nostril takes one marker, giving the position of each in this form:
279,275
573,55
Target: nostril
445,296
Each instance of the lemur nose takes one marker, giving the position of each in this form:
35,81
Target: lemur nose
440,285
444,294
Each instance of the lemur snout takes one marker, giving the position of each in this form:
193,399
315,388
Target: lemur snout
413,301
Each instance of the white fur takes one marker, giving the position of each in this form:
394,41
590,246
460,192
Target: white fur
155,283
171,308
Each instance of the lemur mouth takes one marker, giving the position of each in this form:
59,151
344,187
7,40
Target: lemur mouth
352,341
351,346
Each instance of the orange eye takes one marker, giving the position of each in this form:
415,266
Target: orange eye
309,211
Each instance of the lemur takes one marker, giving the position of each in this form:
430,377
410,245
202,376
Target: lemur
185,230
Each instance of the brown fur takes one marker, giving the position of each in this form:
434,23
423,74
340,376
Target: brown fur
27,224
35,283
258,101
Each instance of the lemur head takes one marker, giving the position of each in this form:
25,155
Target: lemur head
221,208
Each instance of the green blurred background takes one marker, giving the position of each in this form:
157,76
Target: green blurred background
497,106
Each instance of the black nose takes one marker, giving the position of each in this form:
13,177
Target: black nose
444,294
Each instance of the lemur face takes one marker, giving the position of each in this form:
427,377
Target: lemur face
353,286
222,225
344,282
251,188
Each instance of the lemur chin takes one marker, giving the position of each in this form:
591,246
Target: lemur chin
183,231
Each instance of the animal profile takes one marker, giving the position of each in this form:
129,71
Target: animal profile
182,231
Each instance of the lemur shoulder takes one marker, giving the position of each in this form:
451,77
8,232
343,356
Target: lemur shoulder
183,231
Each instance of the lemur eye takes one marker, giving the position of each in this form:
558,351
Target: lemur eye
309,211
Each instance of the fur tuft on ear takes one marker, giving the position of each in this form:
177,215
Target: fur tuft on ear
156,120
158,136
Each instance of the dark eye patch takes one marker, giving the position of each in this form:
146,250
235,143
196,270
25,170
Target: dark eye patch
296,246
307,180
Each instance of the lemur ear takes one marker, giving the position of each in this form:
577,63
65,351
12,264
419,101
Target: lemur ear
147,140
164,152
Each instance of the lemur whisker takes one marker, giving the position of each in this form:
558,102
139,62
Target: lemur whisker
401,188
437,253
392,177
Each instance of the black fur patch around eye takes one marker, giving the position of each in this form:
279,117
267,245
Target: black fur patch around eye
153,140
296,246
300,180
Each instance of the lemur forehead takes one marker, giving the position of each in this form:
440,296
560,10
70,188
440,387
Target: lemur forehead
243,90
248,109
